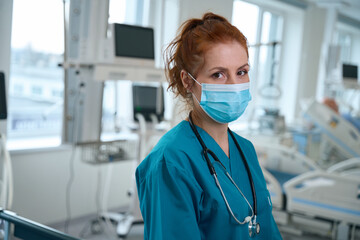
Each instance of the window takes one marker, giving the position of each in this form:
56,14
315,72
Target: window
134,12
18,89
56,93
344,41
263,29
36,90
117,111
245,18
347,38
269,57
117,94
117,11
117,105
37,46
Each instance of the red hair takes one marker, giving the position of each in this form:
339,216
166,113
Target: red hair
186,51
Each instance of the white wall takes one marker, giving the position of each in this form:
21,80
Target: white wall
196,8
310,57
290,75
41,178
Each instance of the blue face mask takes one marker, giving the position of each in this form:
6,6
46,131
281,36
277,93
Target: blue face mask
224,103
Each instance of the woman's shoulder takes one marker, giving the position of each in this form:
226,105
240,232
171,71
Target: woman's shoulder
173,138
170,149
176,139
243,141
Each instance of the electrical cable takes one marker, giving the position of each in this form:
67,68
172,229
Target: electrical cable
98,192
68,189
69,183
94,222
105,198
106,190
72,160
270,90
101,202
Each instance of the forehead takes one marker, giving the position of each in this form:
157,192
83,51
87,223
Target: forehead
227,55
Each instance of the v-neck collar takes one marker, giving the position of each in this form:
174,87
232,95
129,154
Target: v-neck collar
214,146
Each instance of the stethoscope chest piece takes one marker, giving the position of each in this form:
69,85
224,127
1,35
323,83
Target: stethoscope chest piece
254,228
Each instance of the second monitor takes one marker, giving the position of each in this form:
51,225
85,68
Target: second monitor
148,100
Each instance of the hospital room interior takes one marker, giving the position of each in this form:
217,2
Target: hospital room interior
84,99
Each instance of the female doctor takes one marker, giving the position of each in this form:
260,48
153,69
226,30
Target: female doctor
203,181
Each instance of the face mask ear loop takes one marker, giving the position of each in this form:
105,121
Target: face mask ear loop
193,79
197,83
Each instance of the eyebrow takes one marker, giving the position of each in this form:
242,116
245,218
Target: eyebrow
223,68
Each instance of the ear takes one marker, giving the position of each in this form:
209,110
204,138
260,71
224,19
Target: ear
186,80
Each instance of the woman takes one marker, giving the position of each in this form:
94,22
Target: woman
184,192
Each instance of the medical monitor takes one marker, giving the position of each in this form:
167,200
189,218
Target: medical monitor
134,41
148,100
130,45
3,109
350,75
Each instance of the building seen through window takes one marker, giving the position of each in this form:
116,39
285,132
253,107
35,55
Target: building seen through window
36,83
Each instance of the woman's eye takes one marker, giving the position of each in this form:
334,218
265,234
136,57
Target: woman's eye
242,72
217,75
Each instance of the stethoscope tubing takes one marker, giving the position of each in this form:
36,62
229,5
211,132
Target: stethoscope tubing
213,172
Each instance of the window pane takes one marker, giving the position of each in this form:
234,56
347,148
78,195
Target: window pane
345,45
36,82
117,105
245,18
269,57
117,111
117,11
133,12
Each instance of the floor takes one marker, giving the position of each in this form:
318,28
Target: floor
93,228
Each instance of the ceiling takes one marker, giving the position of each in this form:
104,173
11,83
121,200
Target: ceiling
348,8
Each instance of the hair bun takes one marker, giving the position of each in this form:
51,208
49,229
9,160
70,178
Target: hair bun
209,16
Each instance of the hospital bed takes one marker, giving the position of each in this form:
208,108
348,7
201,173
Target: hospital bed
308,195
350,167
308,199
336,130
280,164
23,228
329,197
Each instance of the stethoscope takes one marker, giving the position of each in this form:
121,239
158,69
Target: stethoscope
254,227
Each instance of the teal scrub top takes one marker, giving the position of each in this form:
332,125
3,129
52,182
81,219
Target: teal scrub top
180,200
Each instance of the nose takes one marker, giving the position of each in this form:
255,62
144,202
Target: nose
232,80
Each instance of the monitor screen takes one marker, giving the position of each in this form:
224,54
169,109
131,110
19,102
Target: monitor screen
350,71
134,41
148,100
3,111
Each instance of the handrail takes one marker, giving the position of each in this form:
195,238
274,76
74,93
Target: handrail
348,164
27,229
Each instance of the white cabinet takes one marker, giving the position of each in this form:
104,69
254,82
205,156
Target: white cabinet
103,72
